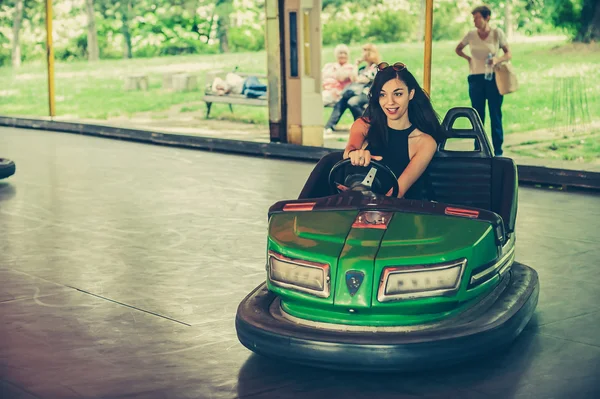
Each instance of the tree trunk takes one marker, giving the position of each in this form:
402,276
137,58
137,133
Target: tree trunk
222,27
223,9
92,36
422,16
590,22
16,45
508,20
125,12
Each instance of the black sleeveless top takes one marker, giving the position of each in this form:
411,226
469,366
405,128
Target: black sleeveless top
397,158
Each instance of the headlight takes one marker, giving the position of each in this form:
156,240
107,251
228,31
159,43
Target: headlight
299,275
419,281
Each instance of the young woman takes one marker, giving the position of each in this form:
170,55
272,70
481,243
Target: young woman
484,40
400,128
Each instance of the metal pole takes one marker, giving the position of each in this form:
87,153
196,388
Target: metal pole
275,70
428,44
50,58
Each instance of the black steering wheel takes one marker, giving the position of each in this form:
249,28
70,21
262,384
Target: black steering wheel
364,178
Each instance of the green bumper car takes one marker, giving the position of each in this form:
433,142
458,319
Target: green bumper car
358,280
7,168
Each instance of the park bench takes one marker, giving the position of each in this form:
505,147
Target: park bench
229,99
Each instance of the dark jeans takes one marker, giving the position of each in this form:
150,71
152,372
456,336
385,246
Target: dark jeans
317,184
350,100
481,90
253,88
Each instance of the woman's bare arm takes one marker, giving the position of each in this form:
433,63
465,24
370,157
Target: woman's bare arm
417,165
358,133
461,53
506,57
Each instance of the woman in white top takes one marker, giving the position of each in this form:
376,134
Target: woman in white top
484,41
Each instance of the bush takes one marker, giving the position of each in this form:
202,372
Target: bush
387,26
446,25
246,39
178,46
340,31
175,46
75,49
5,56
108,52
110,39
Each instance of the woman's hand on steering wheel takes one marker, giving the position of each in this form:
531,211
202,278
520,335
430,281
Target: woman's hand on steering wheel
362,157
382,175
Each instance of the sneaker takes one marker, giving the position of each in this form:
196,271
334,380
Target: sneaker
328,131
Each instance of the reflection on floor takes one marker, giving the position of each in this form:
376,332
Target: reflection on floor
121,267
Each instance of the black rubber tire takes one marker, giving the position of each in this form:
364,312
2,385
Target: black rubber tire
493,330
7,168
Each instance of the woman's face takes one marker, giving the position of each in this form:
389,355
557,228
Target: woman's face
479,21
394,97
368,56
342,57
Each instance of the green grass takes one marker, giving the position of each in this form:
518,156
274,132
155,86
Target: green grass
95,91
581,149
192,108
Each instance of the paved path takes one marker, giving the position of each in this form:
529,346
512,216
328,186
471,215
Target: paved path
122,265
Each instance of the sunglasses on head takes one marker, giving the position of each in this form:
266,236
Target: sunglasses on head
398,66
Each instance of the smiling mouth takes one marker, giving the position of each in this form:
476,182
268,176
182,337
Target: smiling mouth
392,110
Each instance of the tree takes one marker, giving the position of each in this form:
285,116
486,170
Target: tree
590,22
223,9
422,17
508,20
335,4
16,45
125,9
92,33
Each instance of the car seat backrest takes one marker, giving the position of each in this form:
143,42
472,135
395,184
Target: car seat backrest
505,191
462,181
473,177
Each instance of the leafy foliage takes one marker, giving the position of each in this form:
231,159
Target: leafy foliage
148,28
450,21
246,39
389,26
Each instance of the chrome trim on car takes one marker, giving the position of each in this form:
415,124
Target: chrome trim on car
304,263
505,261
387,271
278,312
508,264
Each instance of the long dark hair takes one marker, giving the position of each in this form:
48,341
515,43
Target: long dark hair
420,111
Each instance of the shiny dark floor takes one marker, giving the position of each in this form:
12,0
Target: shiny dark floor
122,264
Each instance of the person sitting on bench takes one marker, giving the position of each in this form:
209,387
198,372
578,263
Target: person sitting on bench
337,75
355,95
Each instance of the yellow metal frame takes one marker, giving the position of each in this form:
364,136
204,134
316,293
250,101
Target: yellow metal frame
50,58
307,65
428,46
